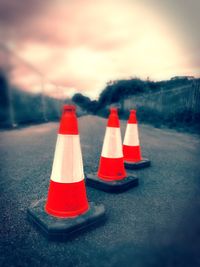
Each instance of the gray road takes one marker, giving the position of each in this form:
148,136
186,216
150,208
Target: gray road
155,224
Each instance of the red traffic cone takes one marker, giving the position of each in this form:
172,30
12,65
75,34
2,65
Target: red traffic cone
67,197
67,193
111,165
111,172
131,145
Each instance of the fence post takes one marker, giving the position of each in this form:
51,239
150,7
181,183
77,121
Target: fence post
161,99
43,101
11,107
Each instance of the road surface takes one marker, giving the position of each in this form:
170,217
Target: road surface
155,224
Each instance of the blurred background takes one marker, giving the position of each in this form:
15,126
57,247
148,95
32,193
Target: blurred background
131,54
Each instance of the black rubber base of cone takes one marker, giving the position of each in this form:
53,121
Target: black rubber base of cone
137,165
63,228
111,186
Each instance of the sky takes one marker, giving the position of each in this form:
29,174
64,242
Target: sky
68,46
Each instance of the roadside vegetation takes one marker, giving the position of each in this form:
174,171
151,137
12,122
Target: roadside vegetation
21,108
144,96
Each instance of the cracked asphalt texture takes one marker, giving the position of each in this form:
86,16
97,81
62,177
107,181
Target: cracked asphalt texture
154,224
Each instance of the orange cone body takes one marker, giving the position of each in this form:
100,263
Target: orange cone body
111,166
67,193
131,145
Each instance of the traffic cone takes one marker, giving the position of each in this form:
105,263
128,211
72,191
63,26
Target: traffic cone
67,199
131,145
67,193
111,167
111,173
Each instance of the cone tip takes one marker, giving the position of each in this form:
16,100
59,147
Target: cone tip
113,110
68,123
132,111
69,108
132,117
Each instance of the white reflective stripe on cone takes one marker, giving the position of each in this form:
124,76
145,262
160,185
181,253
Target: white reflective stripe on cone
68,164
131,136
112,146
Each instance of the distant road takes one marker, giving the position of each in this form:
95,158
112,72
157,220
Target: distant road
155,224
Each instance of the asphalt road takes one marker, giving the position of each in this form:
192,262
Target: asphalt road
155,224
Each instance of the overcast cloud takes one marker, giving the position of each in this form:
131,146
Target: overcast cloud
82,44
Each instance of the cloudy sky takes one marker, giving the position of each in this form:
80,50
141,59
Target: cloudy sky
79,45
